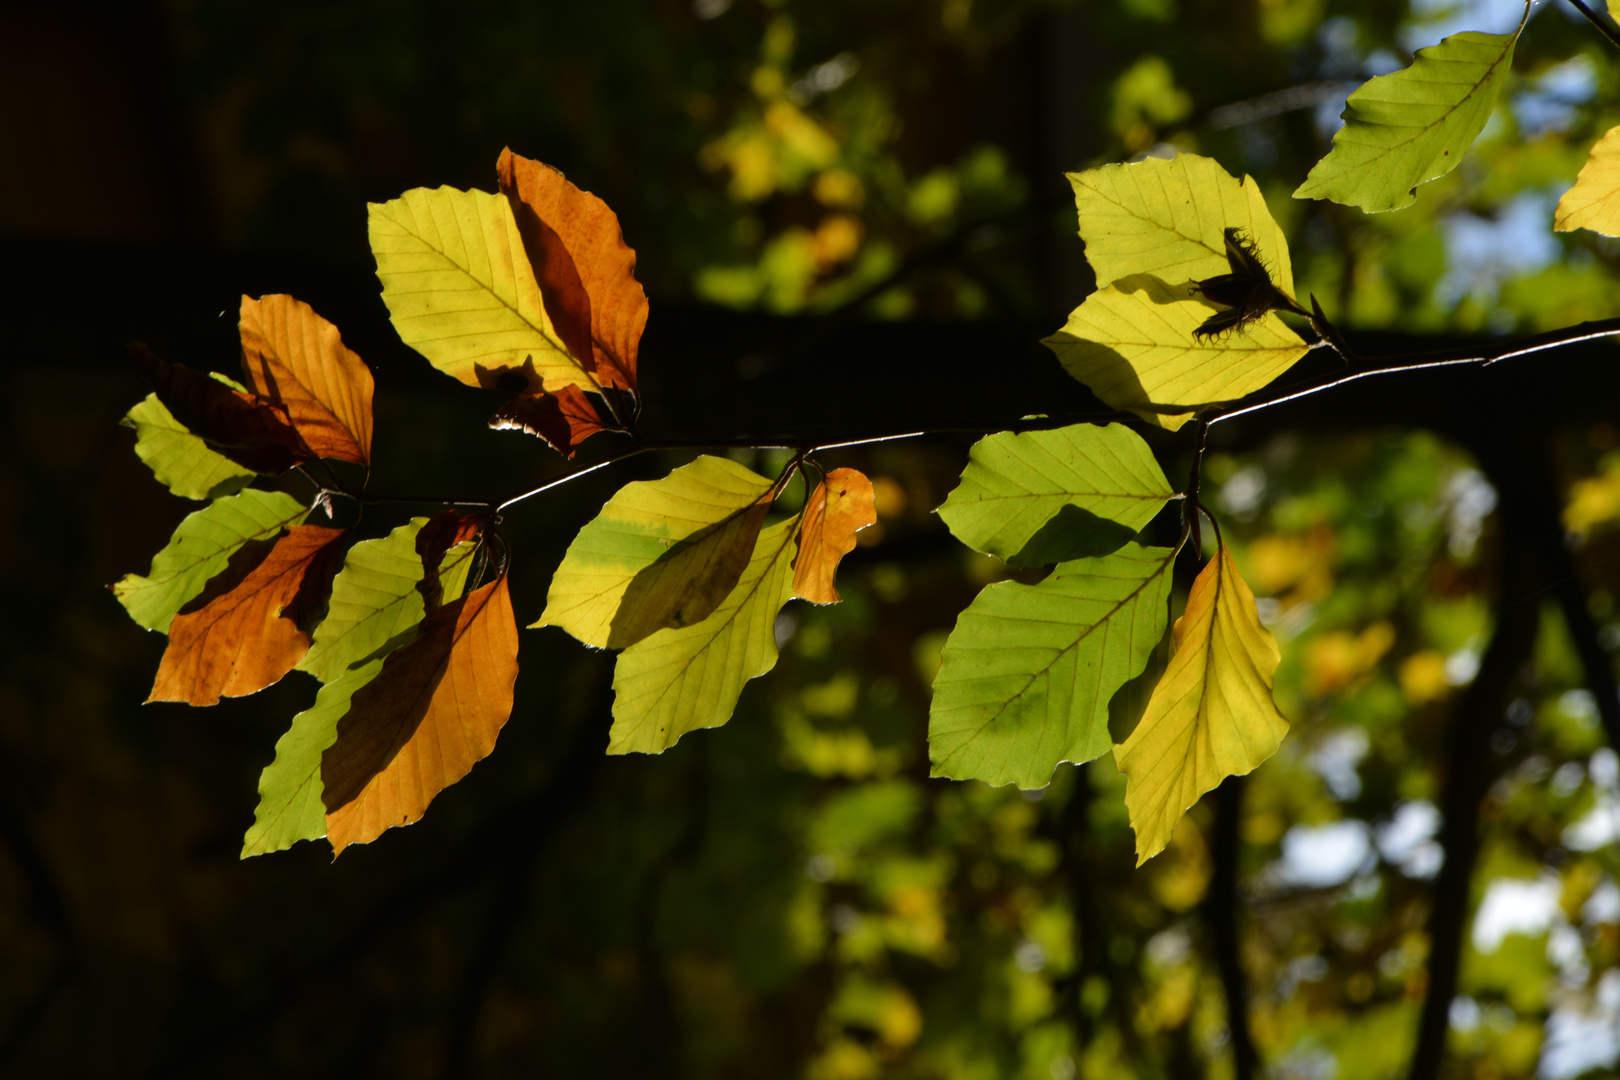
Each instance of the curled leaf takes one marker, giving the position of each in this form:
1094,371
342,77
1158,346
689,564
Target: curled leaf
840,507
564,419
295,359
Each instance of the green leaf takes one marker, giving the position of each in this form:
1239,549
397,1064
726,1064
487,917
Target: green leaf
180,460
1048,496
1211,716
374,600
460,289
661,554
200,548
1026,676
1133,345
1168,218
680,680
1413,126
290,807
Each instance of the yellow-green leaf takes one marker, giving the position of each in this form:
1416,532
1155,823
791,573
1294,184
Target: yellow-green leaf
180,460
1412,126
460,289
1168,218
1211,716
661,554
1132,343
1594,202
680,680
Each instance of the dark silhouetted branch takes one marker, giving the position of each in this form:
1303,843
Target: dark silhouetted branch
1221,909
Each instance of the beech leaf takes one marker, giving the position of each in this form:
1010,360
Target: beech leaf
841,506
460,290
1133,344
1211,716
430,714
1168,218
180,460
677,681
661,554
297,360
1594,202
1412,126
587,273
253,433
564,419
201,548
1026,676
247,638
1048,496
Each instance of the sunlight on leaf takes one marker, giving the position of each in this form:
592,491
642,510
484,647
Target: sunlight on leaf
1413,126
1594,202
201,548
1048,496
460,290
180,460
677,681
1133,344
253,433
1026,676
564,419
247,638
420,725
296,359
841,506
1211,716
662,553
1168,218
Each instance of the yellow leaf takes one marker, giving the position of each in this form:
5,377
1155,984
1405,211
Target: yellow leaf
1211,716
1168,218
1594,202
460,289
1132,343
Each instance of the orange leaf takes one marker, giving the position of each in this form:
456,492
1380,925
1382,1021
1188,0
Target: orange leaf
242,638
840,507
587,273
295,359
564,419
432,712
443,532
256,434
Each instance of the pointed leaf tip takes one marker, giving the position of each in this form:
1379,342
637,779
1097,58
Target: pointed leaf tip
1212,714
256,434
841,506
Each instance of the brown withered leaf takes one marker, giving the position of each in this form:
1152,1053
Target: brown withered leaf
294,358
841,506
585,269
256,434
432,712
241,639
439,535
564,419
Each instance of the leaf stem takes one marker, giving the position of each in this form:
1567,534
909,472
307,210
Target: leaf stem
1603,28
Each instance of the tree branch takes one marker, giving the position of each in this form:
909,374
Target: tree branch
1221,910
1603,28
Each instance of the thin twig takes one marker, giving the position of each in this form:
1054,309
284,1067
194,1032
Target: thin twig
1603,28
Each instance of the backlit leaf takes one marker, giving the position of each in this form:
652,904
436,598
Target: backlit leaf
430,714
460,290
680,680
587,273
1412,126
201,548
564,419
374,599
1047,496
662,553
840,507
1133,344
1211,716
445,547
296,359
253,433
180,460
1026,677
1168,218
1594,202
247,638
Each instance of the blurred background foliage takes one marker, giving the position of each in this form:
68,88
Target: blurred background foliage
791,895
